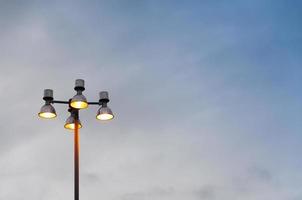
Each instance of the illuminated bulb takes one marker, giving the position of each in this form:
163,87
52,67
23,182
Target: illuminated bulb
47,112
79,102
71,126
104,113
70,123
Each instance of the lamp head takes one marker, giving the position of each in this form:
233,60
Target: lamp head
104,113
79,101
70,123
47,111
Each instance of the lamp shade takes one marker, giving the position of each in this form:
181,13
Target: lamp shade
70,123
104,113
47,111
79,101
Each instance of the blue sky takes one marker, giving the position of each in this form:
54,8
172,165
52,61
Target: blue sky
206,96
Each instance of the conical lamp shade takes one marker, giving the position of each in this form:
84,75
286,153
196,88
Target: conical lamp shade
70,123
104,113
79,102
47,112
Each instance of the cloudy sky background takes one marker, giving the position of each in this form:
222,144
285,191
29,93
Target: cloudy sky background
207,97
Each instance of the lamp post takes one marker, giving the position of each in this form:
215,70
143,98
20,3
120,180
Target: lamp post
73,122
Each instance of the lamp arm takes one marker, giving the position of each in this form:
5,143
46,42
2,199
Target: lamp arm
93,103
67,102
60,102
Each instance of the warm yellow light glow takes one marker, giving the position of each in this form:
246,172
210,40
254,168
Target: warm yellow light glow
71,126
47,115
104,116
79,104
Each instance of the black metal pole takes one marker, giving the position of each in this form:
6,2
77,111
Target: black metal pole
76,156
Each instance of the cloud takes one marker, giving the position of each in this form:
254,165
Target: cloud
207,103
151,194
207,193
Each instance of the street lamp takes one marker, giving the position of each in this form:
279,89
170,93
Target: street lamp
73,122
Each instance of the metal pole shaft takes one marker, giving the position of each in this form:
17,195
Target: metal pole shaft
76,158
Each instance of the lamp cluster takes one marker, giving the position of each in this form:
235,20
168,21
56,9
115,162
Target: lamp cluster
76,103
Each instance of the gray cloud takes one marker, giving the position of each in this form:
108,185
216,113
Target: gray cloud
207,193
261,174
150,194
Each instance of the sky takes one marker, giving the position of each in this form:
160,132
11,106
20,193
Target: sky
206,96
